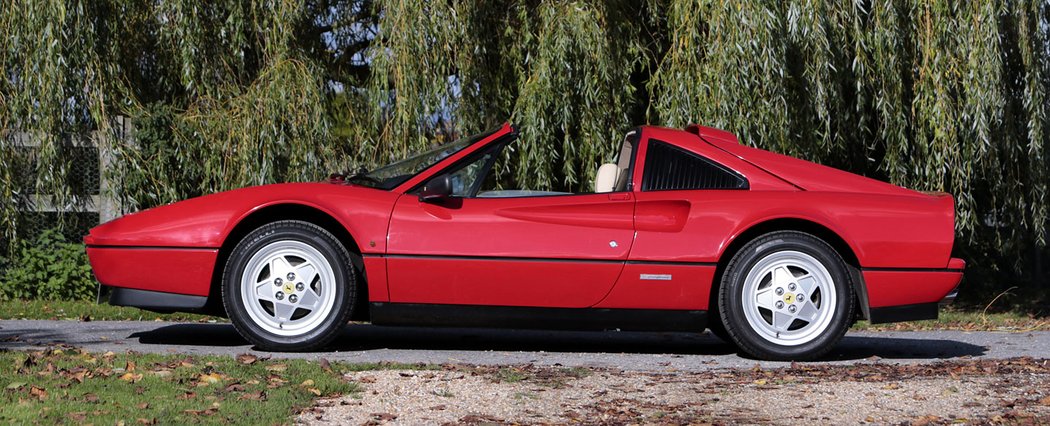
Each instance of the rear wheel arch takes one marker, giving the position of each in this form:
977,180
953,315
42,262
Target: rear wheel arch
800,225
288,211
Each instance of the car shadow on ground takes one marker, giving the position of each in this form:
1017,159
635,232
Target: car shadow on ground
362,337
860,347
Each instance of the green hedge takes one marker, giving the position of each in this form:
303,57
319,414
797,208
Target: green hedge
48,267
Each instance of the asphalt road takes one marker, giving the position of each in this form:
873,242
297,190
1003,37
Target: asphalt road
619,350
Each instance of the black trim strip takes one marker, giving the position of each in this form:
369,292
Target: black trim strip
477,316
152,247
156,301
538,259
912,269
916,312
498,258
670,262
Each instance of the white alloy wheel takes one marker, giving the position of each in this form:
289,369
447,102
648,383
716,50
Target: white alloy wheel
788,298
287,288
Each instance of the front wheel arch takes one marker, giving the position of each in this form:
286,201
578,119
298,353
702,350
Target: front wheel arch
288,211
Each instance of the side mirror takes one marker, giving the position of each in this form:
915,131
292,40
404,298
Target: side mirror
436,190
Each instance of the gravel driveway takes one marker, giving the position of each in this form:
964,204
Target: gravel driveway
970,392
477,376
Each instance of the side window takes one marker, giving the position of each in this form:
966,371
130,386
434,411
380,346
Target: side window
465,181
668,167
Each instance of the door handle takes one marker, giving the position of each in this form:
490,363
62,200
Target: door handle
620,196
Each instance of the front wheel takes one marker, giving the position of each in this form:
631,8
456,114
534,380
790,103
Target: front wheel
786,296
289,286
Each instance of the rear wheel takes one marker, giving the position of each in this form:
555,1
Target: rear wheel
715,326
786,296
289,286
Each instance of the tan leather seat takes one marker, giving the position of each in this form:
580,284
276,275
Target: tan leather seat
606,178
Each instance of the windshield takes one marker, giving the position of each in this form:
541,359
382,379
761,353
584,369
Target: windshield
390,176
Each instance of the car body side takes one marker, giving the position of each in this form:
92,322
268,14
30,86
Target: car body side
897,241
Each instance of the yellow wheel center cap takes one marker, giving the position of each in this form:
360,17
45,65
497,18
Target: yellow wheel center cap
288,288
789,298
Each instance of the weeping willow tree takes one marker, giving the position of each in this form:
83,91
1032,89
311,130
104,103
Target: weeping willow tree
561,69
239,101
933,95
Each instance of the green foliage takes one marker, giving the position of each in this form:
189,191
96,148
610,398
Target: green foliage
81,310
933,95
49,268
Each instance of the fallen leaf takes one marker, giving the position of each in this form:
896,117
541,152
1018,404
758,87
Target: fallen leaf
131,377
325,365
254,396
307,382
276,367
142,421
384,417
275,381
760,382
78,416
130,366
207,412
39,393
234,387
15,385
316,392
367,379
90,397
1045,401
208,379
925,420
247,359
142,406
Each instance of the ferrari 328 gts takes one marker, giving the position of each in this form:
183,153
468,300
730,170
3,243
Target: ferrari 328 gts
684,230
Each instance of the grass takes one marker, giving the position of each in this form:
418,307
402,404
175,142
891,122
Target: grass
967,320
72,386
87,310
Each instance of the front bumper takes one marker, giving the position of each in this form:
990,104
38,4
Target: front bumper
177,270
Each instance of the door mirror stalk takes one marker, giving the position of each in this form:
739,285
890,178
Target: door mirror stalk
436,190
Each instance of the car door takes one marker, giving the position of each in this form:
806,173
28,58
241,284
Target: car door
520,249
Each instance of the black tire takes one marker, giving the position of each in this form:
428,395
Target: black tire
344,286
783,244
714,325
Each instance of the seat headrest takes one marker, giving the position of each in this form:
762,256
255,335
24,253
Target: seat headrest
605,179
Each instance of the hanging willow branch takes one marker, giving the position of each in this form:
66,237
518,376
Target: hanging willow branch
932,94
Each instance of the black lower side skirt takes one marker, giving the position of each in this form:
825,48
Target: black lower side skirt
916,312
411,314
156,301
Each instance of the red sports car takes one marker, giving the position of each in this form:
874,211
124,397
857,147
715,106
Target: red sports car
686,229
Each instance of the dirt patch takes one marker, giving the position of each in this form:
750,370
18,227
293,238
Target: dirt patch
1009,391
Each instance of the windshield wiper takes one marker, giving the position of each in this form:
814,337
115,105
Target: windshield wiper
360,175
